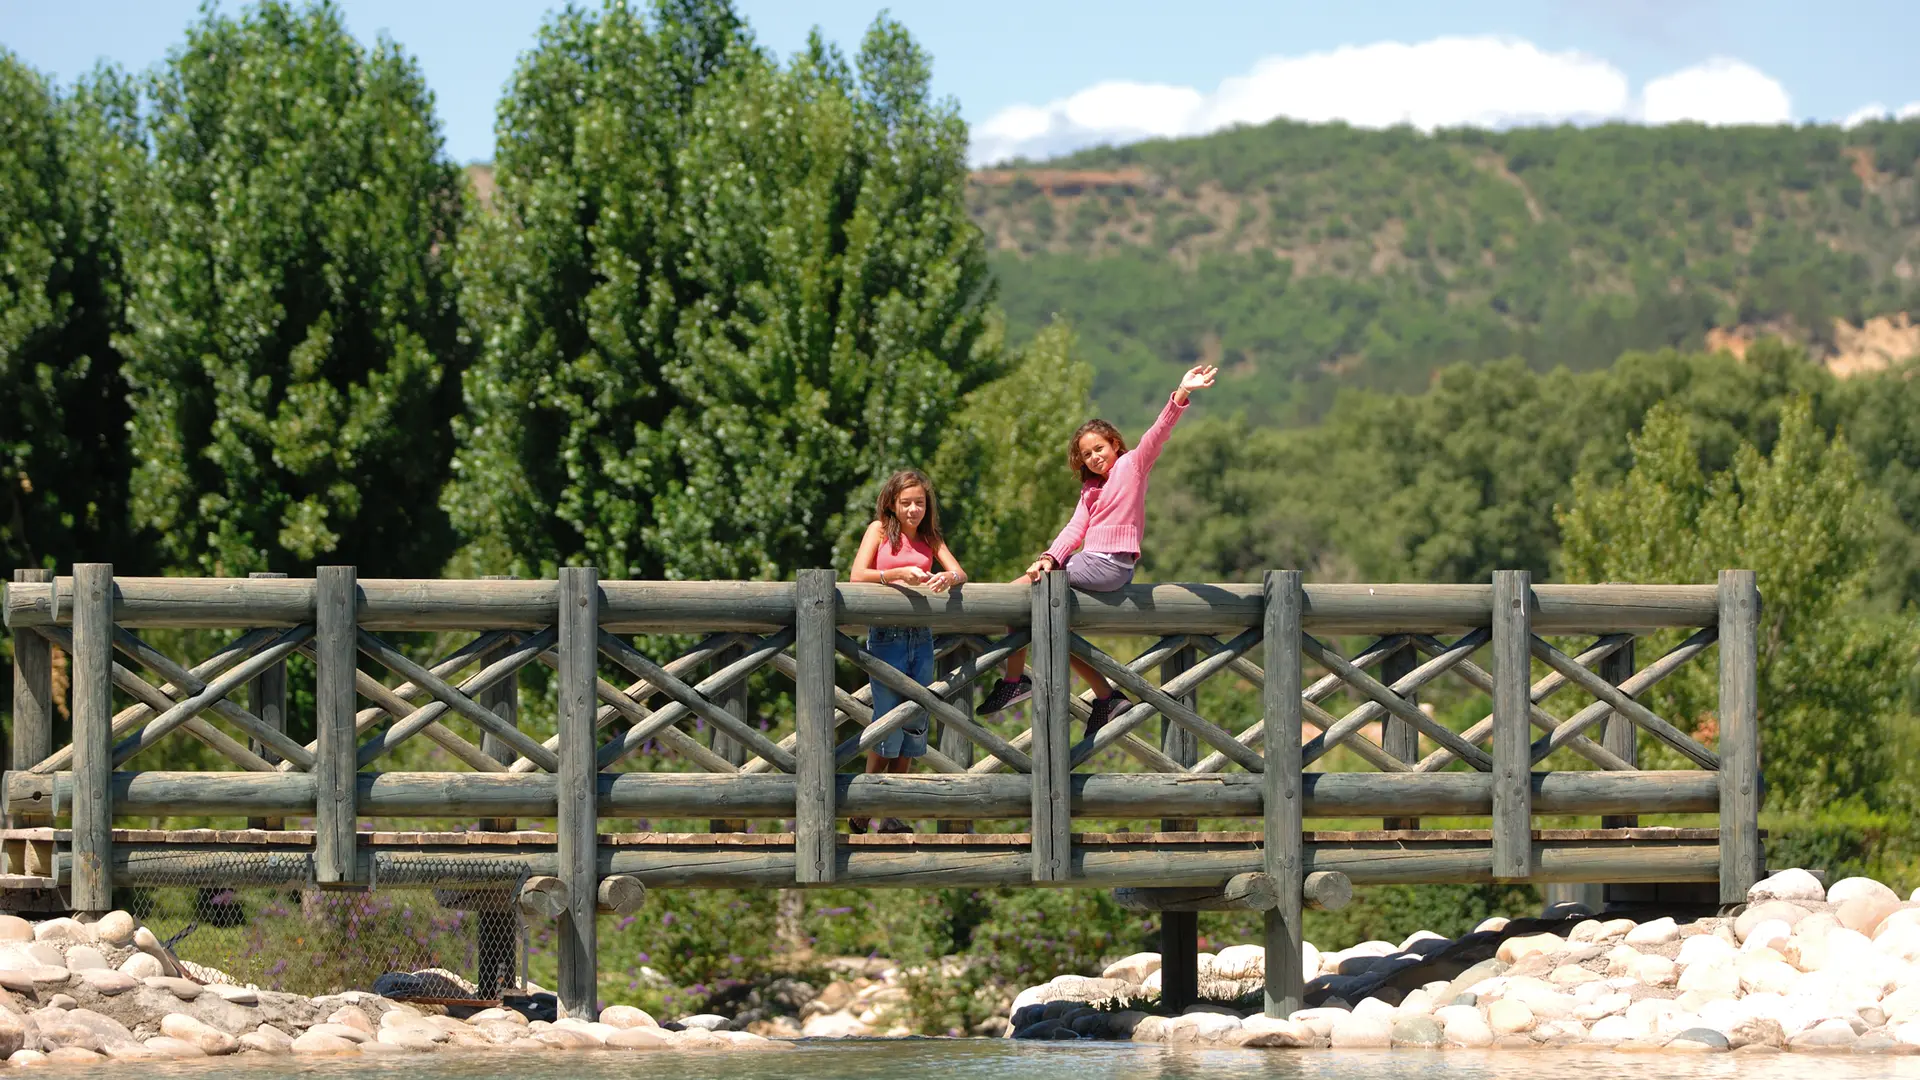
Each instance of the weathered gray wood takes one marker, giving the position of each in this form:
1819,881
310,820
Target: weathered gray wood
734,700
1327,890
1346,730
1742,860
662,606
929,699
211,698
577,824
1397,737
1370,687
1322,688
502,700
1566,732
267,699
32,739
813,812
1132,682
764,652
1512,749
676,866
1123,796
1616,698
621,894
92,673
1175,741
953,742
1052,741
1283,848
1242,892
336,822
1480,679
400,664
1620,737
544,897
630,658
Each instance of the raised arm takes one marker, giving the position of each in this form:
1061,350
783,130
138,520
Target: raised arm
1148,449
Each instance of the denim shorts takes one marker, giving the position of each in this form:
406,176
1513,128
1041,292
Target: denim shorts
1099,571
910,650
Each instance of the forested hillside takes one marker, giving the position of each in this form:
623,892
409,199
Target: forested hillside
1305,258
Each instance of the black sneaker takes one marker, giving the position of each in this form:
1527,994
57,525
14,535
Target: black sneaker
1105,709
1005,695
893,825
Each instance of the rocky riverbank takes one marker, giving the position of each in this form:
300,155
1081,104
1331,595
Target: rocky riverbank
1800,967
73,991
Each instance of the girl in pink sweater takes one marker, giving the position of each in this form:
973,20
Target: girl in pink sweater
1101,544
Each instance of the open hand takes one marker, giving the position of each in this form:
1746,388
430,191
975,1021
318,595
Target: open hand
1199,377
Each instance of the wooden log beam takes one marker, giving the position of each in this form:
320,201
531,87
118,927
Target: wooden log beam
1617,701
1284,850
212,697
1327,890
920,865
400,664
32,736
267,699
544,897
1052,814
621,894
576,932
1552,683
959,797
1242,892
1402,688
1513,676
92,673
1393,703
1168,706
764,606
336,819
928,699
814,812
693,701
1742,859
674,712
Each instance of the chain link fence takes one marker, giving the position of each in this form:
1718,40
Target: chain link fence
424,928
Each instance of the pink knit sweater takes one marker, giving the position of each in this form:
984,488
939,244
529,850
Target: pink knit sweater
1112,512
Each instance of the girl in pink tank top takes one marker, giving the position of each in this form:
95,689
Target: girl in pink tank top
900,548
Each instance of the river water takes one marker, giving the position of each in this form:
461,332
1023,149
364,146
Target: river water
998,1059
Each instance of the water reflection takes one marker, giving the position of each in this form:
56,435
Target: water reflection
995,1059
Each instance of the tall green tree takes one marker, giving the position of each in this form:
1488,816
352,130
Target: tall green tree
1805,519
717,297
63,411
295,345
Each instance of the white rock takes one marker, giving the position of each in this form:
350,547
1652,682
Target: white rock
1515,949
1491,923
1418,1002
1616,1029
1907,1034
1717,977
341,1031
1311,961
1241,962
1705,949
833,1026
1900,943
1462,1025
142,966
237,995
1832,1034
114,928
1373,1009
1765,975
1650,970
1320,1021
64,930
626,1016
208,1039
1611,1004
1657,932
322,1043
1424,942
1770,934
1506,1017
1859,888
108,983
405,1039
179,1049
1134,968
1795,885
1357,1032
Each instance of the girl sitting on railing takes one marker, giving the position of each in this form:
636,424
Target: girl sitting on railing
900,548
1106,529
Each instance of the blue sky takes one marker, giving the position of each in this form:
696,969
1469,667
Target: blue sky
1036,77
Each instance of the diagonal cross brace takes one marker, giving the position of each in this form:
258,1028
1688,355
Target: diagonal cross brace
205,698
1400,707
691,699
482,716
1169,706
946,712
1081,705
1349,725
664,718
426,718
1480,679
1322,688
1619,699
1183,683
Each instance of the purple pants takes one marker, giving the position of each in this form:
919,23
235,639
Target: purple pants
1099,571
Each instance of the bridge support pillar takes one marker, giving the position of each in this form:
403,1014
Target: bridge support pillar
578,841
1179,930
92,737
1741,856
1284,824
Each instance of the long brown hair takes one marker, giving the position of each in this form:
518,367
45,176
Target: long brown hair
890,491
1078,461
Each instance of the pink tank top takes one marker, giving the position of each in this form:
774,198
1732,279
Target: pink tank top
911,552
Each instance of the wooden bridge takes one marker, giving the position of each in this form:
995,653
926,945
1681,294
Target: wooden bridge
1267,765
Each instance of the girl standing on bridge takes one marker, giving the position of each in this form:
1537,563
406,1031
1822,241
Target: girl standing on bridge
1106,529
900,548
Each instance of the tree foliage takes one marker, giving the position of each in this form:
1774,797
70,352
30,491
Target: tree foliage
720,296
1804,518
63,414
294,344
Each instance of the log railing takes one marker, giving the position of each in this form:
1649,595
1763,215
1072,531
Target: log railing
615,704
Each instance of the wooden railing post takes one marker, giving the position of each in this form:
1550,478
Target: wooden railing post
1620,737
953,742
497,926
1179,930
1512,749
1285,799
1052,719
1741,857
815,841
267,697
1397,737
734,699
336,656
578,825
32,694
92,667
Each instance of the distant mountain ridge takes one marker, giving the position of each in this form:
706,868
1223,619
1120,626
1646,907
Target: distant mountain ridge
1306,258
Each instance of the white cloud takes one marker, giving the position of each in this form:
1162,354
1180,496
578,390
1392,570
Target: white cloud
1877,111
1445,82
1719,91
